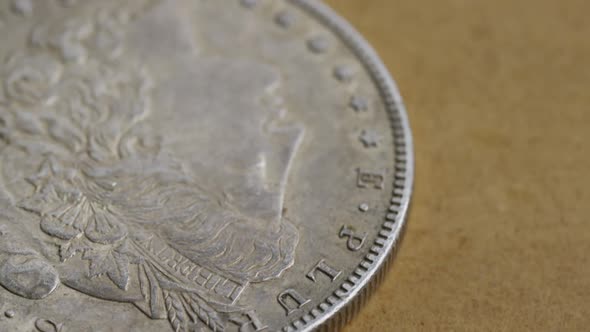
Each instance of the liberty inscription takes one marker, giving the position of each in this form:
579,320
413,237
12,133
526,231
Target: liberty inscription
161,163
131,224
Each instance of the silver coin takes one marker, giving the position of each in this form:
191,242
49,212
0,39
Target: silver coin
193,165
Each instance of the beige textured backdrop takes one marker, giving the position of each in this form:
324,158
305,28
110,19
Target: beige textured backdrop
498,92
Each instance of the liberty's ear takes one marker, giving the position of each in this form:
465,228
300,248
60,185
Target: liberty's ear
261,192
256,184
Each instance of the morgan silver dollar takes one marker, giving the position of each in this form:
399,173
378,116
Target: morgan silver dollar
193,165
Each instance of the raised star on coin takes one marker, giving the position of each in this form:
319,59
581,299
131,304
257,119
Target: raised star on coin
359,104
181,165
318,44
285,19
344,73
370,138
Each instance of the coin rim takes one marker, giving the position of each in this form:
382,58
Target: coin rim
336,310
332,313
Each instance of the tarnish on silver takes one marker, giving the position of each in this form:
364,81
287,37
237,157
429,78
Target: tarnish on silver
151,173
335,312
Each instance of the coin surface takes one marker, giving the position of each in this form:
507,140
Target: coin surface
193,165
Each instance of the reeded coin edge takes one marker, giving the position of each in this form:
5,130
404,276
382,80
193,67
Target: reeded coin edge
340,307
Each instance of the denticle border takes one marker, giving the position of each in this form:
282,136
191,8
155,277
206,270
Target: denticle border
334,312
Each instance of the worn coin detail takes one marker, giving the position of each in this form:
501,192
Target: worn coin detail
193,165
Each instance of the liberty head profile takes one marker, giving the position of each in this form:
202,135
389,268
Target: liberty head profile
137,168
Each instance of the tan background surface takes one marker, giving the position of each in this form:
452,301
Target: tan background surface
498,92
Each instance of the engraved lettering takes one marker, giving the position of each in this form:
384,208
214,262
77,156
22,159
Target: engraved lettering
148,244
157,248
355,242
225,288
166,254
175,260
249,322
137,220
213,281
202,278
236,293
369,179
292,301
186,267
326,269
194,273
